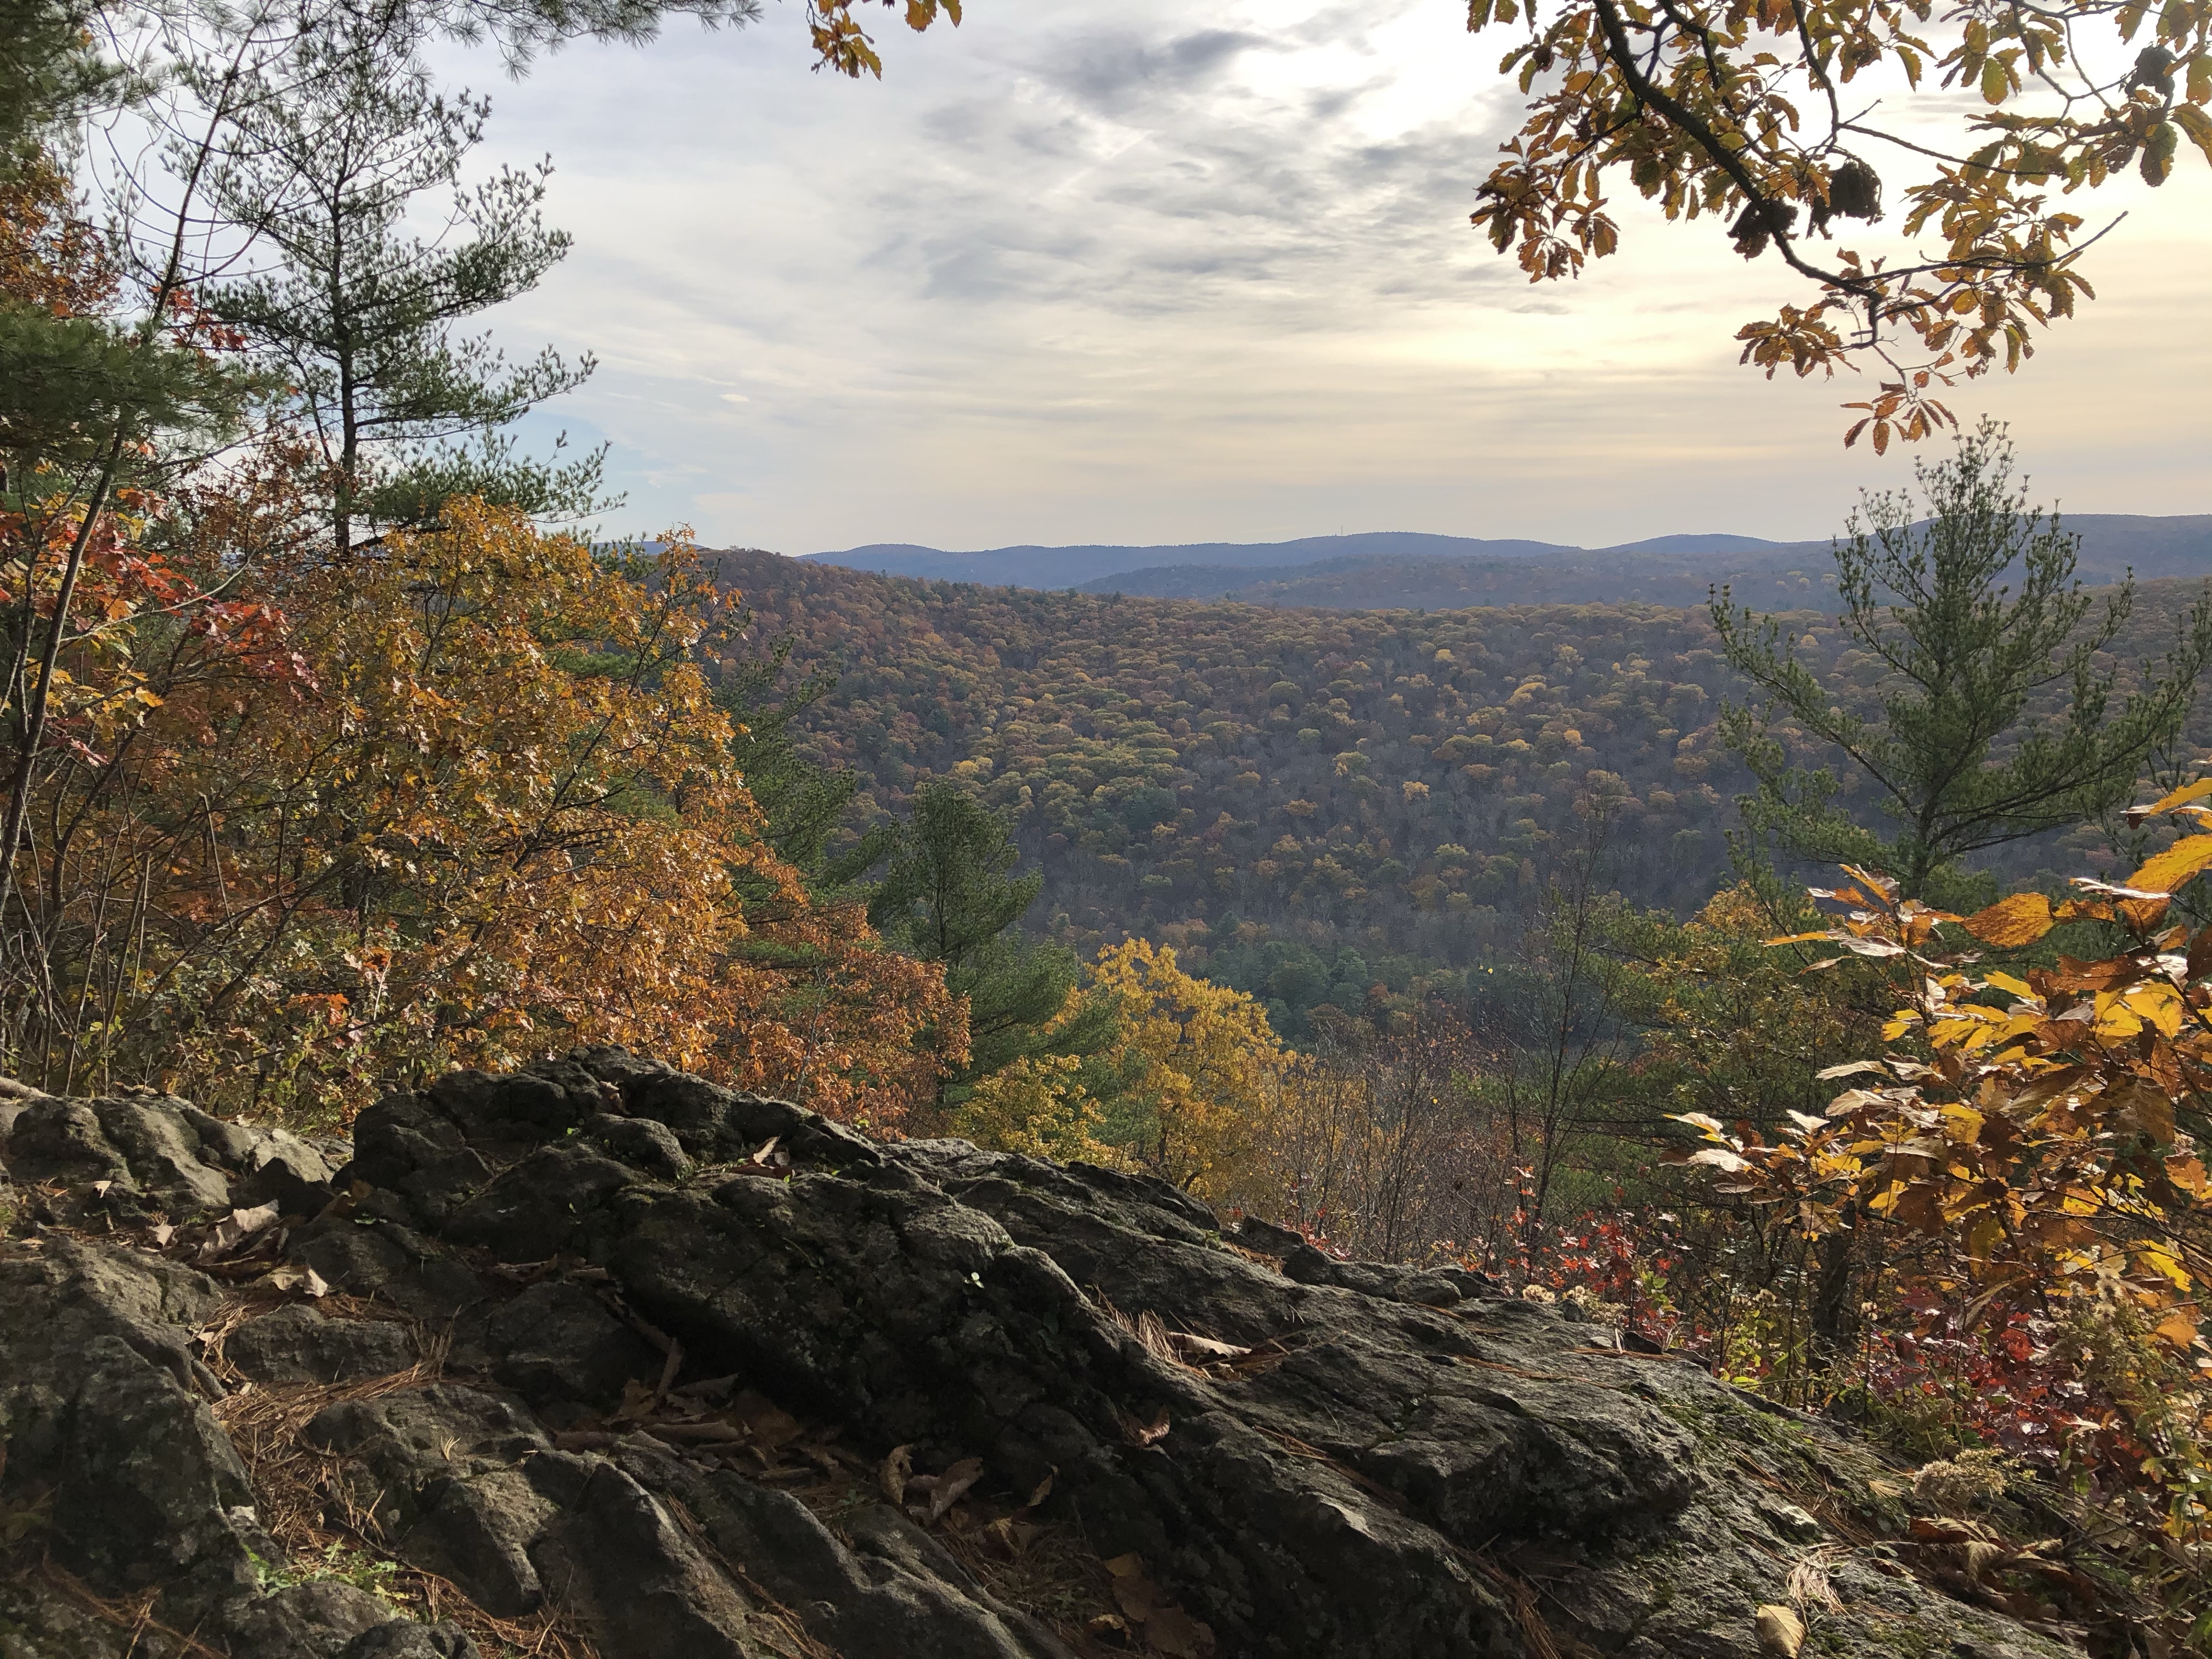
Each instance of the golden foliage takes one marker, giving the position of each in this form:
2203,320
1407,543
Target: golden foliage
458,800
1038,1106
1198,1059
2043,1126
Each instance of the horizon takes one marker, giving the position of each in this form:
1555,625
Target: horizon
1060,279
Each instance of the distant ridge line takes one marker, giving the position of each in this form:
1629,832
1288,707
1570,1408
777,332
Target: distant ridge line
2174,545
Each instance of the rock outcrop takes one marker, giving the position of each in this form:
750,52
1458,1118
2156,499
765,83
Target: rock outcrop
601,1358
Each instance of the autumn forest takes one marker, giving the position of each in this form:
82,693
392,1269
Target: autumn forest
1810,977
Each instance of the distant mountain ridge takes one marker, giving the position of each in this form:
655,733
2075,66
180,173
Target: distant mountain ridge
1050,567
1412,570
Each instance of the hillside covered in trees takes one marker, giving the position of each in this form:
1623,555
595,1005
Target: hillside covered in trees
1309,803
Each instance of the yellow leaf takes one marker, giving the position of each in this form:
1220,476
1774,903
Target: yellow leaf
2007,983
2021,919
2165,872
2158,1005
2181,797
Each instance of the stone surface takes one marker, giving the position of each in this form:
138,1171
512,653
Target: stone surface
295,1344
646,1333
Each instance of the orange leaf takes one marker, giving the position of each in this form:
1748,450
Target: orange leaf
2179,1328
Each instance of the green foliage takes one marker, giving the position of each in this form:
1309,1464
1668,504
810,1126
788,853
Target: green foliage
73,387
949,894
344,143
1990,717
49,74
801,800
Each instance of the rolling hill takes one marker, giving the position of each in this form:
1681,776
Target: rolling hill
1392,570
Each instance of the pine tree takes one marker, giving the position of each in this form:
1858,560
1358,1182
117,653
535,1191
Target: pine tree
949,894
1992,719
359,313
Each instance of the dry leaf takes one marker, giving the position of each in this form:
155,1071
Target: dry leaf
162,1235
1173,1631
771,1426
1153,1433
1136,1595
1203,1350
1043,1490
952,1485
897,1471
1982,1556
1781,1632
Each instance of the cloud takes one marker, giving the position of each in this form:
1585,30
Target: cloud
1056,280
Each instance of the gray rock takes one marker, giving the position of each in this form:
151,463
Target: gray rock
407,1640
314,1620
1401,1453
557,1343
295,1344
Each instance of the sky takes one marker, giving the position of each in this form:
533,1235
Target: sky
1157,273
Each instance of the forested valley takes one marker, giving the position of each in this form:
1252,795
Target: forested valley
1317,804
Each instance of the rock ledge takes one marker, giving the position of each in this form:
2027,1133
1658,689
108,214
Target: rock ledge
600,1359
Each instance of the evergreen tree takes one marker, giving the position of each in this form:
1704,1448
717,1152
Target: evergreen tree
949,894
1992,719
335,158
801,800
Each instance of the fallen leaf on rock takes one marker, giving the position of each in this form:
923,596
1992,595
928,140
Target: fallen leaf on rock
1203,1350
1781,1632
771,1426
1136,1595
1982,1556
1043,1490
637,1403
1175,1632
952,1485
1127,1566
235,1229
163,1234
897,1471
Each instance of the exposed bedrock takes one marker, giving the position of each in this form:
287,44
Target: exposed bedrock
603,1356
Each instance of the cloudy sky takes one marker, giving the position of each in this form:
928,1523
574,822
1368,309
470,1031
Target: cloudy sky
1161,273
